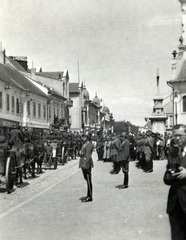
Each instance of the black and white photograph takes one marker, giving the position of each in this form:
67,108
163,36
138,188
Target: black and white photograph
92,120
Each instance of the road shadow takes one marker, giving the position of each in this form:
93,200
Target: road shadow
24,184
118,186
82,198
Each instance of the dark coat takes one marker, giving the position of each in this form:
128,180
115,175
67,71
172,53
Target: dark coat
86,161
115,145
124,151
178,188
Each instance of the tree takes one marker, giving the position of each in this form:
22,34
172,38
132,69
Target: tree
125,126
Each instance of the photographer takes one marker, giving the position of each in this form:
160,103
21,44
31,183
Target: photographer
175,176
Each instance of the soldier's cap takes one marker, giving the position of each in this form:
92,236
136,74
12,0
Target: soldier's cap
148,132
87,135
124,134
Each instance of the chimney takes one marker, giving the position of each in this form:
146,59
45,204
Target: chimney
1,54
4,56
33,70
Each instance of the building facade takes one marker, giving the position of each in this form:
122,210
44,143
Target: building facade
178,82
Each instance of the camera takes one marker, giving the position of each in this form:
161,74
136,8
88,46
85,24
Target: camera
174,167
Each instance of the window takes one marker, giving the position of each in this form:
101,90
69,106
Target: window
44,111
62,110
7,102
34,109
17,105
49,112
1,100
28,108
58,112
184,103
13,104
39,110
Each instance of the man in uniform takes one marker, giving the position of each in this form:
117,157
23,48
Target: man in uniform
86,164
115,145
27,135
123,158
100,148
15,135
148,151
175,176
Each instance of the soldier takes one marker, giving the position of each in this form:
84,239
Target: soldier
115,145
123,158
48,153
86,164
27,135
15,135
148,152
100,148
138,150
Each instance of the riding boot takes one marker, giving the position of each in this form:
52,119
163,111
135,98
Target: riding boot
151,166
126,179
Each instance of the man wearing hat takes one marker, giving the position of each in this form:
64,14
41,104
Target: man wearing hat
115,145
175,177
86,164
15,135
123,158
148,152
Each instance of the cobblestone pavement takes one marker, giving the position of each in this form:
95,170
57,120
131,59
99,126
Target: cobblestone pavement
48,207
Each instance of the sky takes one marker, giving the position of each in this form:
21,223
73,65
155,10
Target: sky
118,45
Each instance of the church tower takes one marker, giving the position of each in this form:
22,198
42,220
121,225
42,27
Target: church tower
158,117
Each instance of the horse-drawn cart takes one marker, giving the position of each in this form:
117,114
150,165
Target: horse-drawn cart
8,167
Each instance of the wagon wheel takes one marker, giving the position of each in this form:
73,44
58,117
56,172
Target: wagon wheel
63,156
10,173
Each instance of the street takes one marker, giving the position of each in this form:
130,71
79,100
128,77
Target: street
49,206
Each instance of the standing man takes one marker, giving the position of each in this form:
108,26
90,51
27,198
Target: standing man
148,151
15,135
100,148
86,164
115,145
175,176
123,158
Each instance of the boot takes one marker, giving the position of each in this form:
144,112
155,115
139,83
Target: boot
125,181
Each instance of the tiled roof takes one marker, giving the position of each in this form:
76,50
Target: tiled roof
182,73
9,75
53,75
168,108
73,87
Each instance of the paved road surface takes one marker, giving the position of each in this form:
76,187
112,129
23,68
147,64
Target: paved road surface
48,207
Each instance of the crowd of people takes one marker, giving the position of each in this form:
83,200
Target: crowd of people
120,150
144,148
